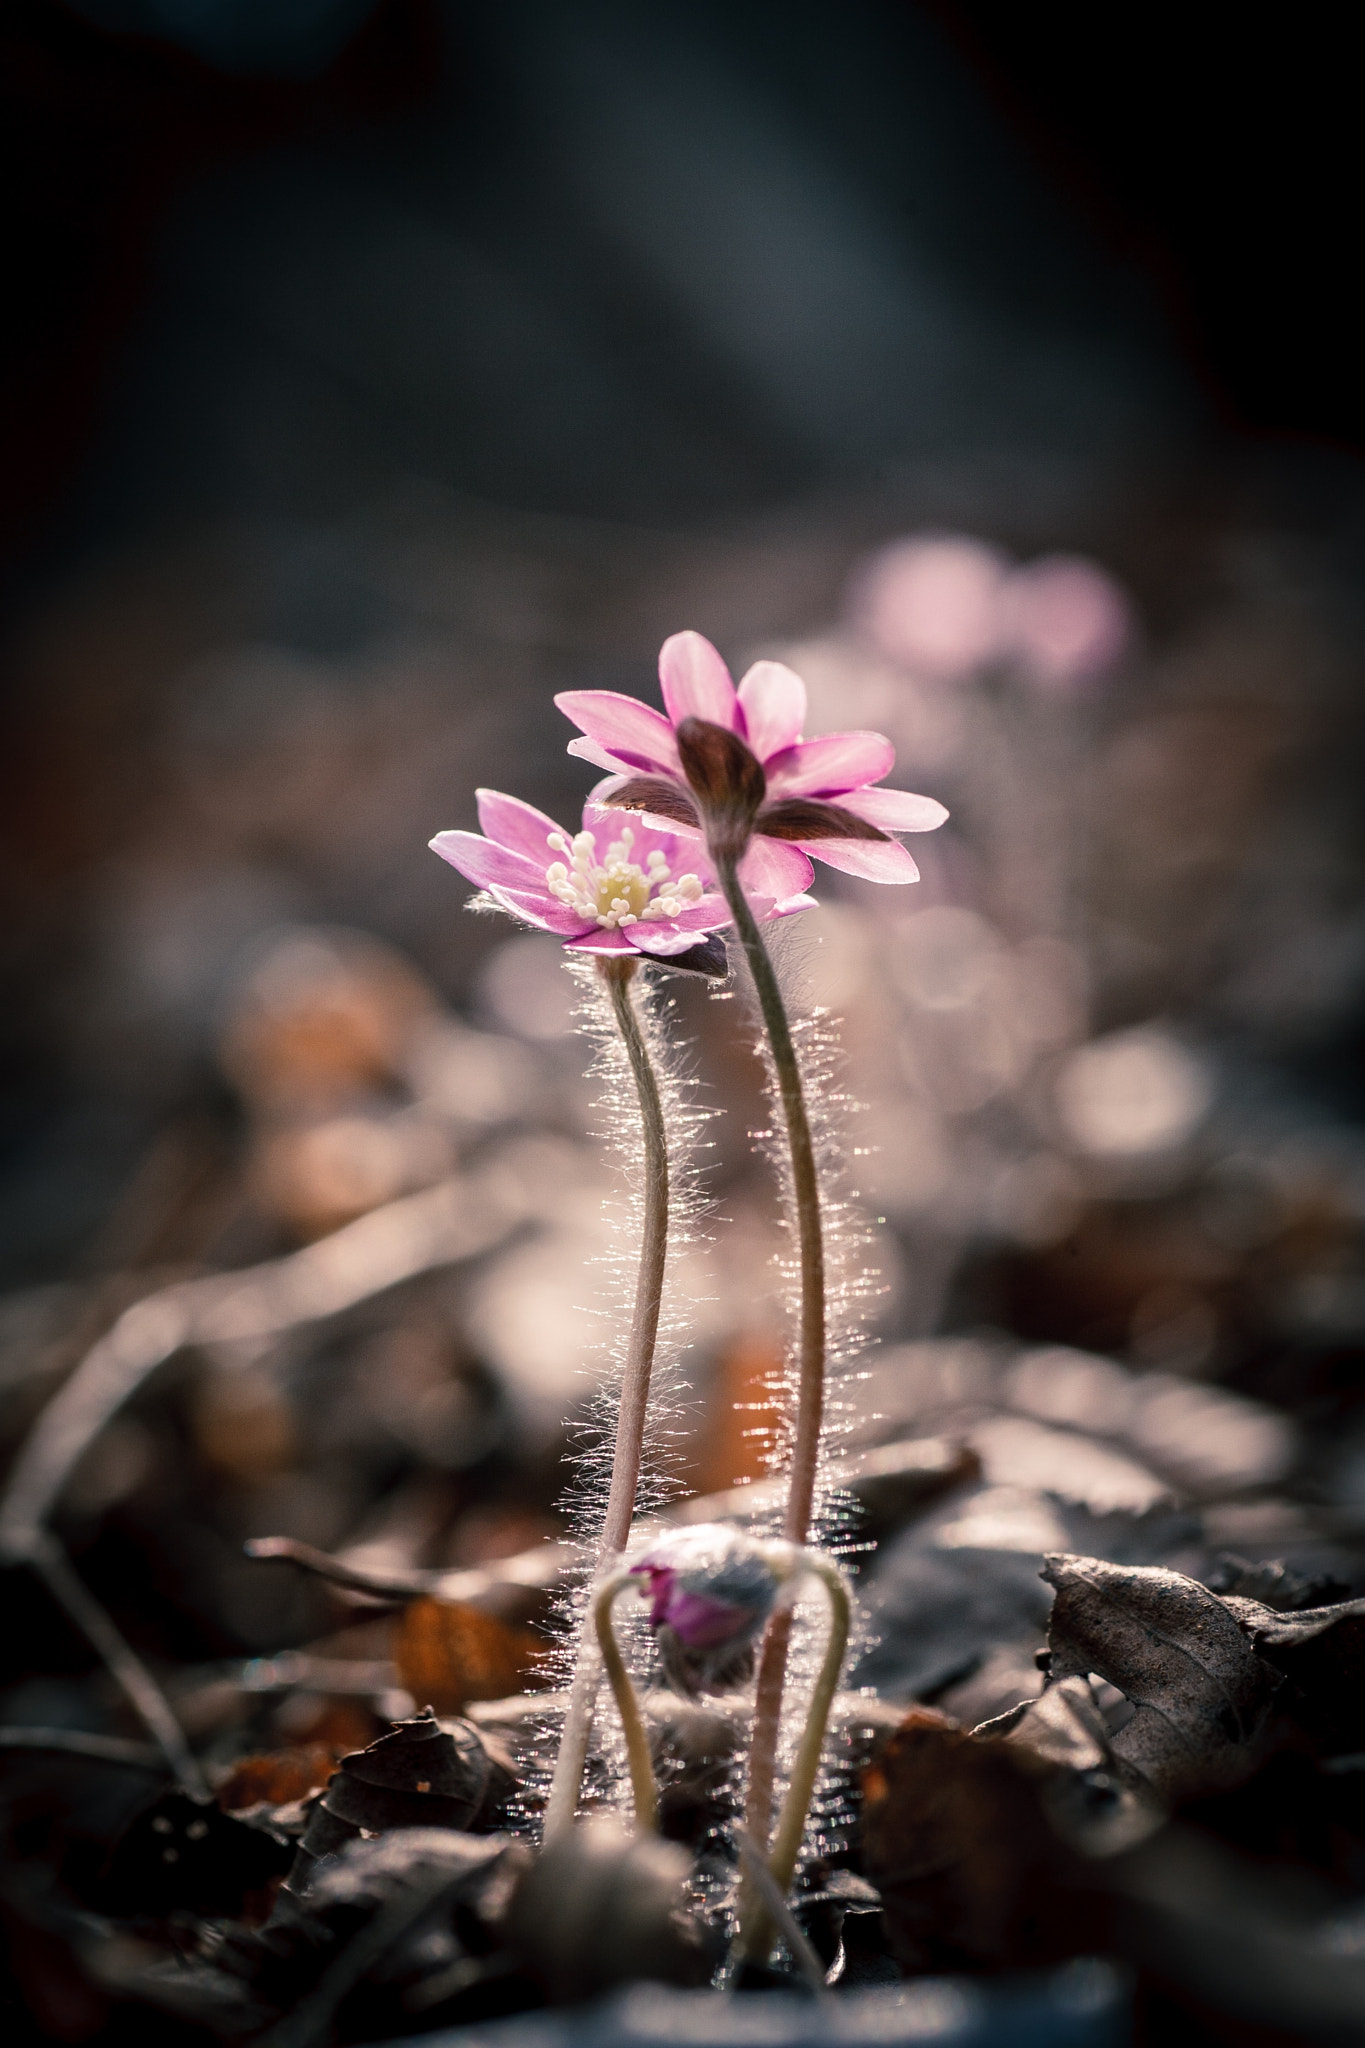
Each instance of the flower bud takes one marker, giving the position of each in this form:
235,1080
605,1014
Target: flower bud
712,1586
727,780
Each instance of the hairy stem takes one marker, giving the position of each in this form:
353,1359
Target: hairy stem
571,1761
637,1741
756,1927
810,1401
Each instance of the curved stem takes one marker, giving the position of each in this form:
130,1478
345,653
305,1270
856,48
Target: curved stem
637,1742
755,1931
567,1781
810,1401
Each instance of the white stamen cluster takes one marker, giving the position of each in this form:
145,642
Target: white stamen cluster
618,891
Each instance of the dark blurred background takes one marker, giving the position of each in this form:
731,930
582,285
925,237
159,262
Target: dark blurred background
371,372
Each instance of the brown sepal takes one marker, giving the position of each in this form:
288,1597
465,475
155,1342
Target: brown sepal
808,817
653,793
726,778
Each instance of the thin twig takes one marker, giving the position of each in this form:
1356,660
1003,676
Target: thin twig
450,1221
529,1571
105,1749
774,1900
936,1461
454,1220
567,1781
310,2021
69,1590
810,1400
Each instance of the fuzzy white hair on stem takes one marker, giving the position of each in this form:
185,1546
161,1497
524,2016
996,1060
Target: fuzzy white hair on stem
650,1126
851,1287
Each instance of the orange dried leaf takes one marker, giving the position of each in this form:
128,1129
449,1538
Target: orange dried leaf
448,1653
278,1778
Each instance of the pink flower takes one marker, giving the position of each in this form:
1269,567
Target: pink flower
730,763
618,886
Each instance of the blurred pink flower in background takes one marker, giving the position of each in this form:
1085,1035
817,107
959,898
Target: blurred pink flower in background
816,794
933,606
945,608
1065,620
621,885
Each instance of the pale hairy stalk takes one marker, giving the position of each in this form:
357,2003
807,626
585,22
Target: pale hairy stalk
628,1451
810,1400
756,1921
632,1722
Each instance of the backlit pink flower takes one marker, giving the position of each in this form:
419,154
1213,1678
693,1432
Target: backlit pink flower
728,764
620,885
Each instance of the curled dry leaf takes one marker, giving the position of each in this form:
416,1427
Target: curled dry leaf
449,1653
1321,1651
1095,1802
1201,1697
406,1922
419,1775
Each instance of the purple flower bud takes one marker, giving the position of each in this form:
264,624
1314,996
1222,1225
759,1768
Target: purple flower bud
713,1586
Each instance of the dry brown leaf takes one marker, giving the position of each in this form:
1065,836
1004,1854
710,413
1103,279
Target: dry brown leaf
277,1779
422,1774
448,1654
970,1869
1201,1697
1321,1651
1097,1803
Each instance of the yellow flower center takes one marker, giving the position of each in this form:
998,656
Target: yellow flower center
617,890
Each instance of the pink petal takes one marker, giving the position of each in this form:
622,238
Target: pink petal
543,911
831,765
520,827
793,905
776,868
588,750
895,810
602,941
773,698
663,940
696,682
876,860
630,731
707,914
479,860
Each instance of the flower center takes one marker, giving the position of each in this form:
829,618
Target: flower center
617,890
